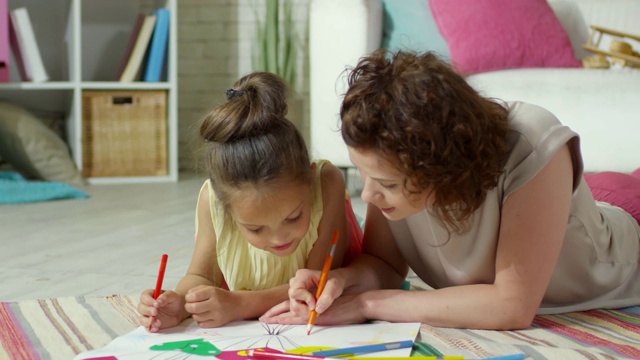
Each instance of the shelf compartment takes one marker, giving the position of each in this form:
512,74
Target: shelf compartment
106,28
49,20
124,133
82,43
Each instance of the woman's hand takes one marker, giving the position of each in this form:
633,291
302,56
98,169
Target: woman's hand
164,312
211,306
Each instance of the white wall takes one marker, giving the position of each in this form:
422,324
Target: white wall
214,50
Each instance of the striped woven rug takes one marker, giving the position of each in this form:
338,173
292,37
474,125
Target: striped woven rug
594,334
61,328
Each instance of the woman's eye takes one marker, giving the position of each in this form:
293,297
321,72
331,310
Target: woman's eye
389,186
254,231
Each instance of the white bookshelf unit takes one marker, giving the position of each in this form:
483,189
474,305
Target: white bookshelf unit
82,43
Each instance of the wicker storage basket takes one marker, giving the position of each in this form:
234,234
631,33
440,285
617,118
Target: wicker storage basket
124,133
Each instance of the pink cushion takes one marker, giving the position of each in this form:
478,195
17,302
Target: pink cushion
485,35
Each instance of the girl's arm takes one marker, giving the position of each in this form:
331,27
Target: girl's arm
533,225
381,264
201,286
203,269
334,217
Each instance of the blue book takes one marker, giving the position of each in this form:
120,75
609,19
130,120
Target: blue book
158,49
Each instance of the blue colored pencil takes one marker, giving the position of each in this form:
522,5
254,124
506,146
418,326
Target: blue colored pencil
518,356
355,350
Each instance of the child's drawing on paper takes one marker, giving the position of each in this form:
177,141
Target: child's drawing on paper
188,341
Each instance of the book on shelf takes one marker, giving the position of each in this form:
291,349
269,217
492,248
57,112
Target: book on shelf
4,41
134,63
69,71
158,48
26,47
132,40
17,53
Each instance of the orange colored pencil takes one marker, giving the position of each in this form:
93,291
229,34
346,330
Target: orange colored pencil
323,278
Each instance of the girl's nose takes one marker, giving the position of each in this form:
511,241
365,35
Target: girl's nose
280,238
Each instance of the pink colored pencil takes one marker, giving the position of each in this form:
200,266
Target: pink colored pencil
260,354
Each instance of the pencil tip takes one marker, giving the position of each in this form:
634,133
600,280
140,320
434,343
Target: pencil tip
309,329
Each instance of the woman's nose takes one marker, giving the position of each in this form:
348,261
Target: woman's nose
368,191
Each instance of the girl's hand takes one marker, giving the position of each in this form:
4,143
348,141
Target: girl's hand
344,310
164,312
211,306
302,289
282,314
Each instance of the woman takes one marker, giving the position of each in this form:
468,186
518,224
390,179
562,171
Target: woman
485,201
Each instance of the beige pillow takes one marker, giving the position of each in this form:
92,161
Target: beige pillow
33,149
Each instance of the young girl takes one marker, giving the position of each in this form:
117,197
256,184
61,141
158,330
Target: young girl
484,200
265,212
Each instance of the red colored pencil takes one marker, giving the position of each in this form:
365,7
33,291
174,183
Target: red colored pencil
323,279
156,291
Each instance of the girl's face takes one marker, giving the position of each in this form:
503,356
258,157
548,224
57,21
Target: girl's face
383,186
273,219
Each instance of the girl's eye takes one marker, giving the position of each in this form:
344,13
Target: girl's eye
389,186
292,220
254,231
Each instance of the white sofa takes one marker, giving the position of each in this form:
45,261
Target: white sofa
602,105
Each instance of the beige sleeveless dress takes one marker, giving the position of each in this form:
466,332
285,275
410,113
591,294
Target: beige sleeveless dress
598,265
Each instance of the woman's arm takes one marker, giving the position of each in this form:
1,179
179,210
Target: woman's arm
533,225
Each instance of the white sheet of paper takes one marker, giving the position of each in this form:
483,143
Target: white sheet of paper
243,335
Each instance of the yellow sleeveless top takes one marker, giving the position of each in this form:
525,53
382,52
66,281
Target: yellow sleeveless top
245,267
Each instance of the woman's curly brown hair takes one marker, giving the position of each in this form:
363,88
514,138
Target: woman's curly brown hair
416,111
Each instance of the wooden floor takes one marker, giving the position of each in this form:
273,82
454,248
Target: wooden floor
110,243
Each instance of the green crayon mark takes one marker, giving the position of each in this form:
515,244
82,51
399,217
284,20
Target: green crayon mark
194,347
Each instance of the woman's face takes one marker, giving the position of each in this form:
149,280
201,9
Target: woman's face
384,186
274,219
